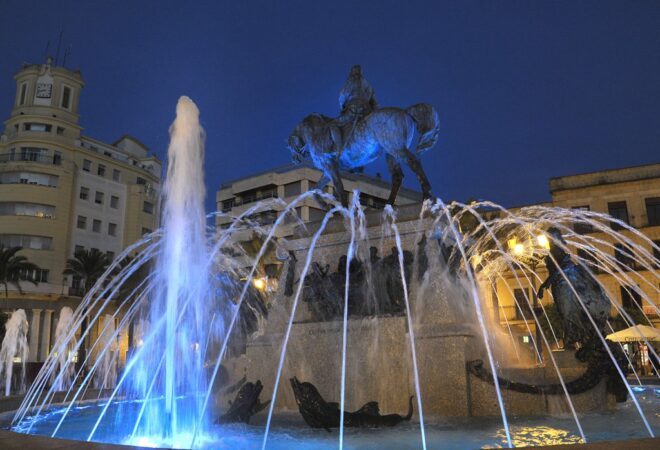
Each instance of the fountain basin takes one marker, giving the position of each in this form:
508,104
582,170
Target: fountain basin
289,431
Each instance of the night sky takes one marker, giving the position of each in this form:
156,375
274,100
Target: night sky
525,90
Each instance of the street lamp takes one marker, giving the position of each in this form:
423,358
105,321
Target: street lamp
527,253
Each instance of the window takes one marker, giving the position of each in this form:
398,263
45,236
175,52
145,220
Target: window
371,201
96,226
87,165
653,210
630,298
582,227
141,180
76,283
588,259
66,97
623,256
82,222
77,249
57,158
148,207
33,154
84,193
36,178
292,189
145,231
32,126
523,300
112,229
618,210
101,170
110,255
115,174
60,131
23,94
227,205
114,202
41,275
26,241
315,214
27,209
36,275
98,198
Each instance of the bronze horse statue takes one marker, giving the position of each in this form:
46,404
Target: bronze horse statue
363,133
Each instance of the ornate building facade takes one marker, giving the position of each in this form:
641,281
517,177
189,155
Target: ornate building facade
62,191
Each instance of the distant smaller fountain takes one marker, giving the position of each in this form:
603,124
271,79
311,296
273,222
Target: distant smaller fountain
106,376
14,345
63,378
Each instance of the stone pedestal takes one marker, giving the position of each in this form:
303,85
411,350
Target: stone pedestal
379,357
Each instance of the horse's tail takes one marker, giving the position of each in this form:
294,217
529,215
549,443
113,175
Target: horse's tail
428,125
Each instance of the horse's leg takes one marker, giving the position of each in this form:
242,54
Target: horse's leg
416,166
319,187
339,185
397,177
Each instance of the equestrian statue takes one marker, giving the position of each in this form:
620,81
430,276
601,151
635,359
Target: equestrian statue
363,132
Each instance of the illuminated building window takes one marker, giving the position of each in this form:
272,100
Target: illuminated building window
27,209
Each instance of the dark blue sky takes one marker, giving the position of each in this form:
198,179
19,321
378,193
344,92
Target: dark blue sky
525,90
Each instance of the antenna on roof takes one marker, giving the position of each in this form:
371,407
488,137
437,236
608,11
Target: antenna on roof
67,52
59,43
46,51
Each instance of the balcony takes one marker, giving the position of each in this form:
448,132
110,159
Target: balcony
249,199
31,157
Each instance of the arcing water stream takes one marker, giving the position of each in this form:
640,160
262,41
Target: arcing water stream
188,292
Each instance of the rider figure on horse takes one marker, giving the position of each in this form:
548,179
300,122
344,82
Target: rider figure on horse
356,100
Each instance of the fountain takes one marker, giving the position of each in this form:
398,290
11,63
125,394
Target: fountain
14,345
404,322
64,370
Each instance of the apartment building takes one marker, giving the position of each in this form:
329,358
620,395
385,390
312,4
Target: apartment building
629,194
61,191
290,181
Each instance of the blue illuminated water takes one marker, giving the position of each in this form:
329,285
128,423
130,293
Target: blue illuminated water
288,430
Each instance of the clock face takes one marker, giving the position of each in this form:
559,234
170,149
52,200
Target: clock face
44,90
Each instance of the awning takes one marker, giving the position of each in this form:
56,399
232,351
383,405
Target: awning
636,333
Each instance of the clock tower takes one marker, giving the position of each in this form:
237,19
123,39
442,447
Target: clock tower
49,95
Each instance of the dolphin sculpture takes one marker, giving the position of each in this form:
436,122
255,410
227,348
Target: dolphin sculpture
245,405
318,413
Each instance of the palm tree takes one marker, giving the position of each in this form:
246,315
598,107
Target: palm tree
87,266
12,266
